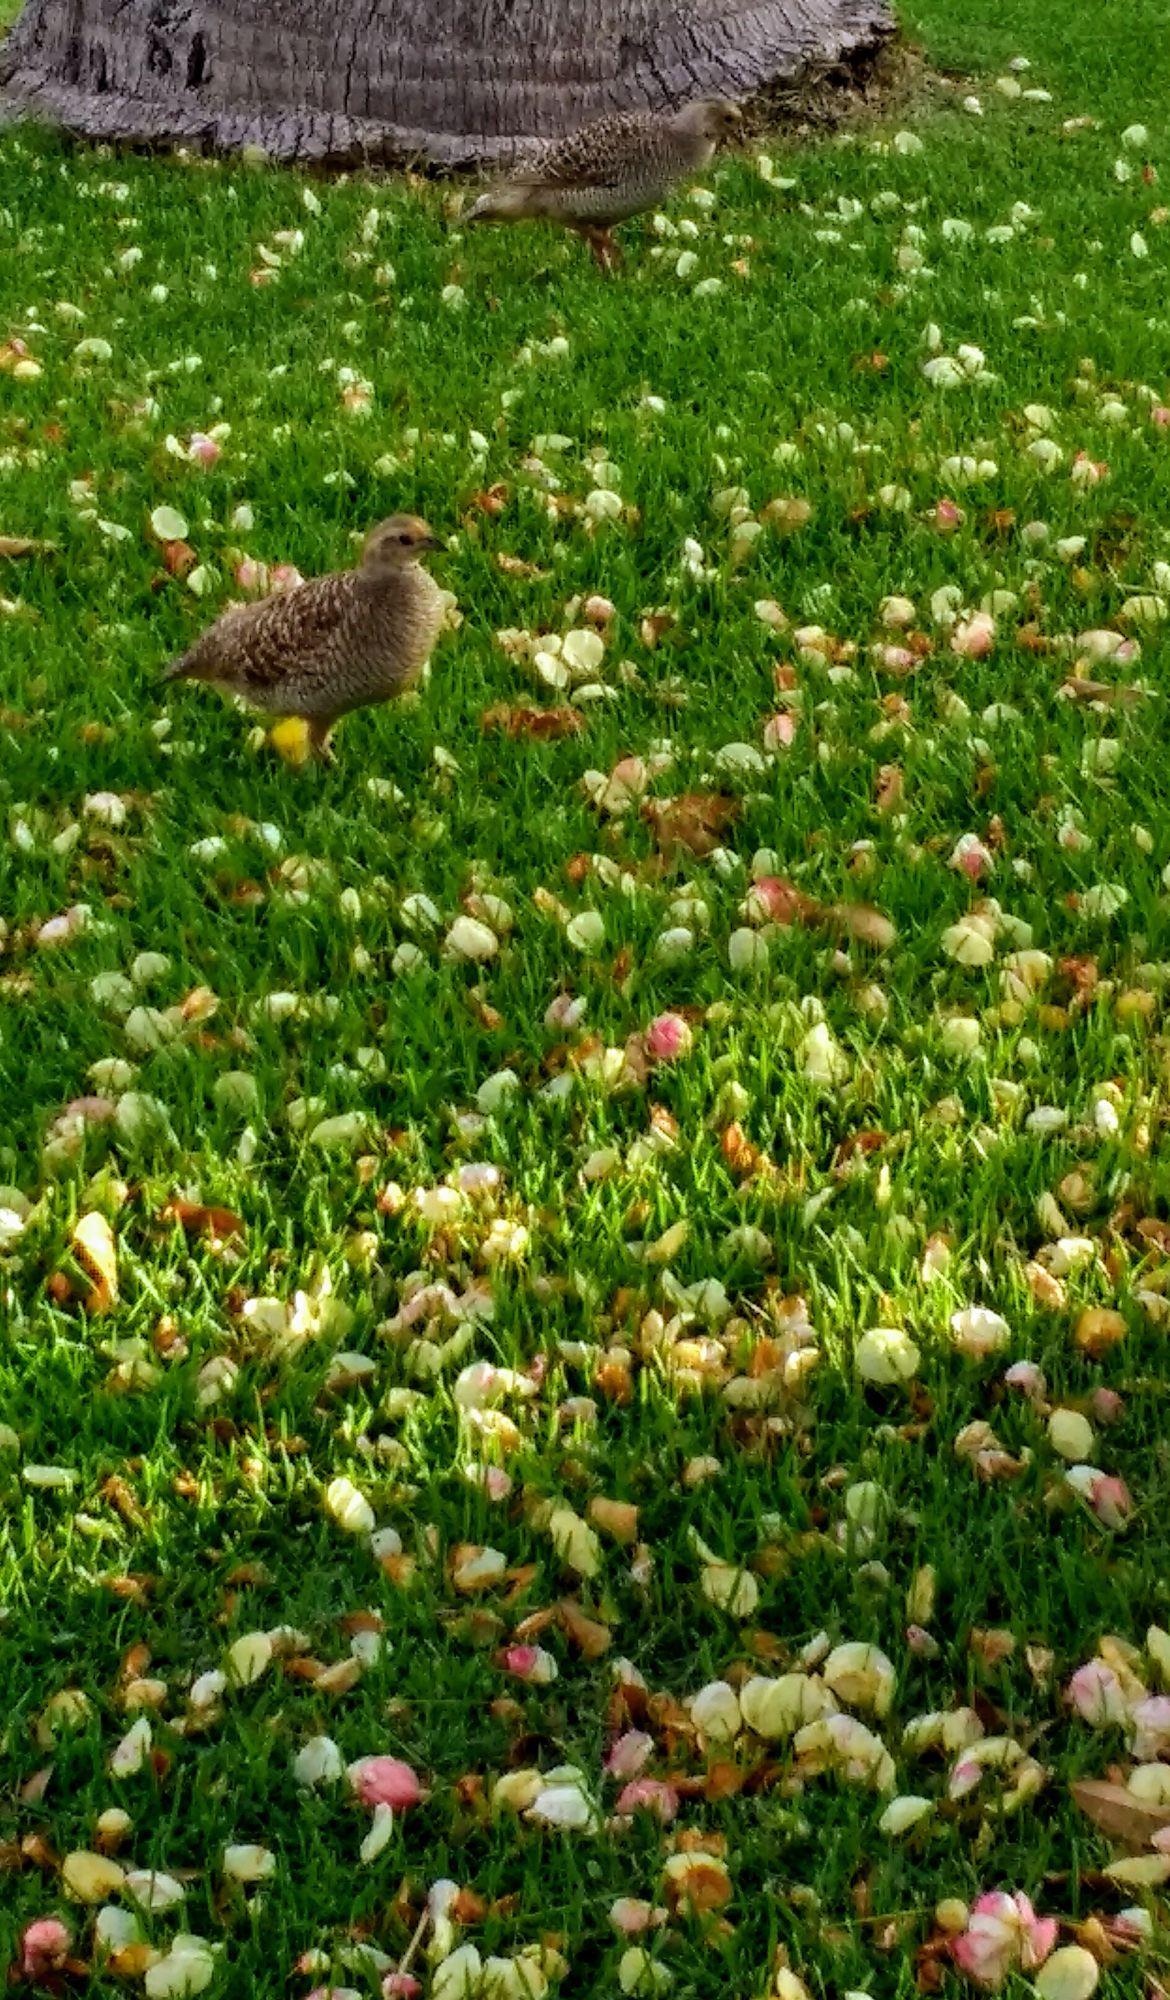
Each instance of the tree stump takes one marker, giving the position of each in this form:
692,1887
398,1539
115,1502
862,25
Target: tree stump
455,82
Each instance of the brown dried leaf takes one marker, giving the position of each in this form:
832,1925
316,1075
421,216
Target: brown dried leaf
589,1634
543,724
655,626
178,558
338,1678
615,1517
1118,1813
787,516
864,923
1112,696
1098,1329
723,1781
613,1380
1030,639
117,1494
704,1887
493,500
991,1646
361,1621
19,545
695,821
199,1221
33,1789
741,1156
516,566
890,788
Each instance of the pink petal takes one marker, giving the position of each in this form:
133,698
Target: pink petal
974,638
995,1903
387,1781
652,1795
251,575
1095,1692
667,1038
780,731
1025,1376
1040,1936
629,1754
43,1945
774,901
400,1983
1111,1501
984,1958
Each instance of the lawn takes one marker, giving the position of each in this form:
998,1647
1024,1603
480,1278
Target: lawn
519,1248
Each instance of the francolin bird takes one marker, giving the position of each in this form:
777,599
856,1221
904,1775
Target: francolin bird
335,643
610,169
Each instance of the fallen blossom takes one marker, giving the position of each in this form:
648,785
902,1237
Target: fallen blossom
385,1781
1109,1497
349,1508
841,1744
1070,1434
886,1355
649,1795
629,1755
697,1881
778,1708
978,1332
974,637
248,1863
318,1762
562,1801
186,1968
530,1663
667,1038
1071,1973
1097,1696
640,1974
861,1676
716,1711
902,1814
43,1947
1003,1933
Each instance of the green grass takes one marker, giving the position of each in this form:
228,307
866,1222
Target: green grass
215,1525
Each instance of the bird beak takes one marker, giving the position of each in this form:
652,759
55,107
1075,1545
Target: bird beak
431,542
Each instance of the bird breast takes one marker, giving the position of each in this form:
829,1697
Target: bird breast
395,624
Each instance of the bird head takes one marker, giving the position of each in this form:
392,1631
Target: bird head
715,119
395,543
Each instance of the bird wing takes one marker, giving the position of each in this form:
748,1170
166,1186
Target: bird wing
596,155
255,645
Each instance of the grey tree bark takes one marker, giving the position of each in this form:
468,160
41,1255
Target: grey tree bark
448,81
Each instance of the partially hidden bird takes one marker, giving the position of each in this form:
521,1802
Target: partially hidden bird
334,643
609,170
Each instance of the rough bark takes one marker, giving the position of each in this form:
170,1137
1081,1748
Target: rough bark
448,81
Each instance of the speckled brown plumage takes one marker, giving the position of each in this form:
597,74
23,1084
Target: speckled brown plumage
610,169
333,644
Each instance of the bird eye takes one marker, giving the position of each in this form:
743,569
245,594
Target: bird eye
404,538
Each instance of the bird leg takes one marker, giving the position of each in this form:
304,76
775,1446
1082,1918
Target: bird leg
320,730
606,252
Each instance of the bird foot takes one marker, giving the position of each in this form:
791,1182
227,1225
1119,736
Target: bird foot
319,743
606,252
